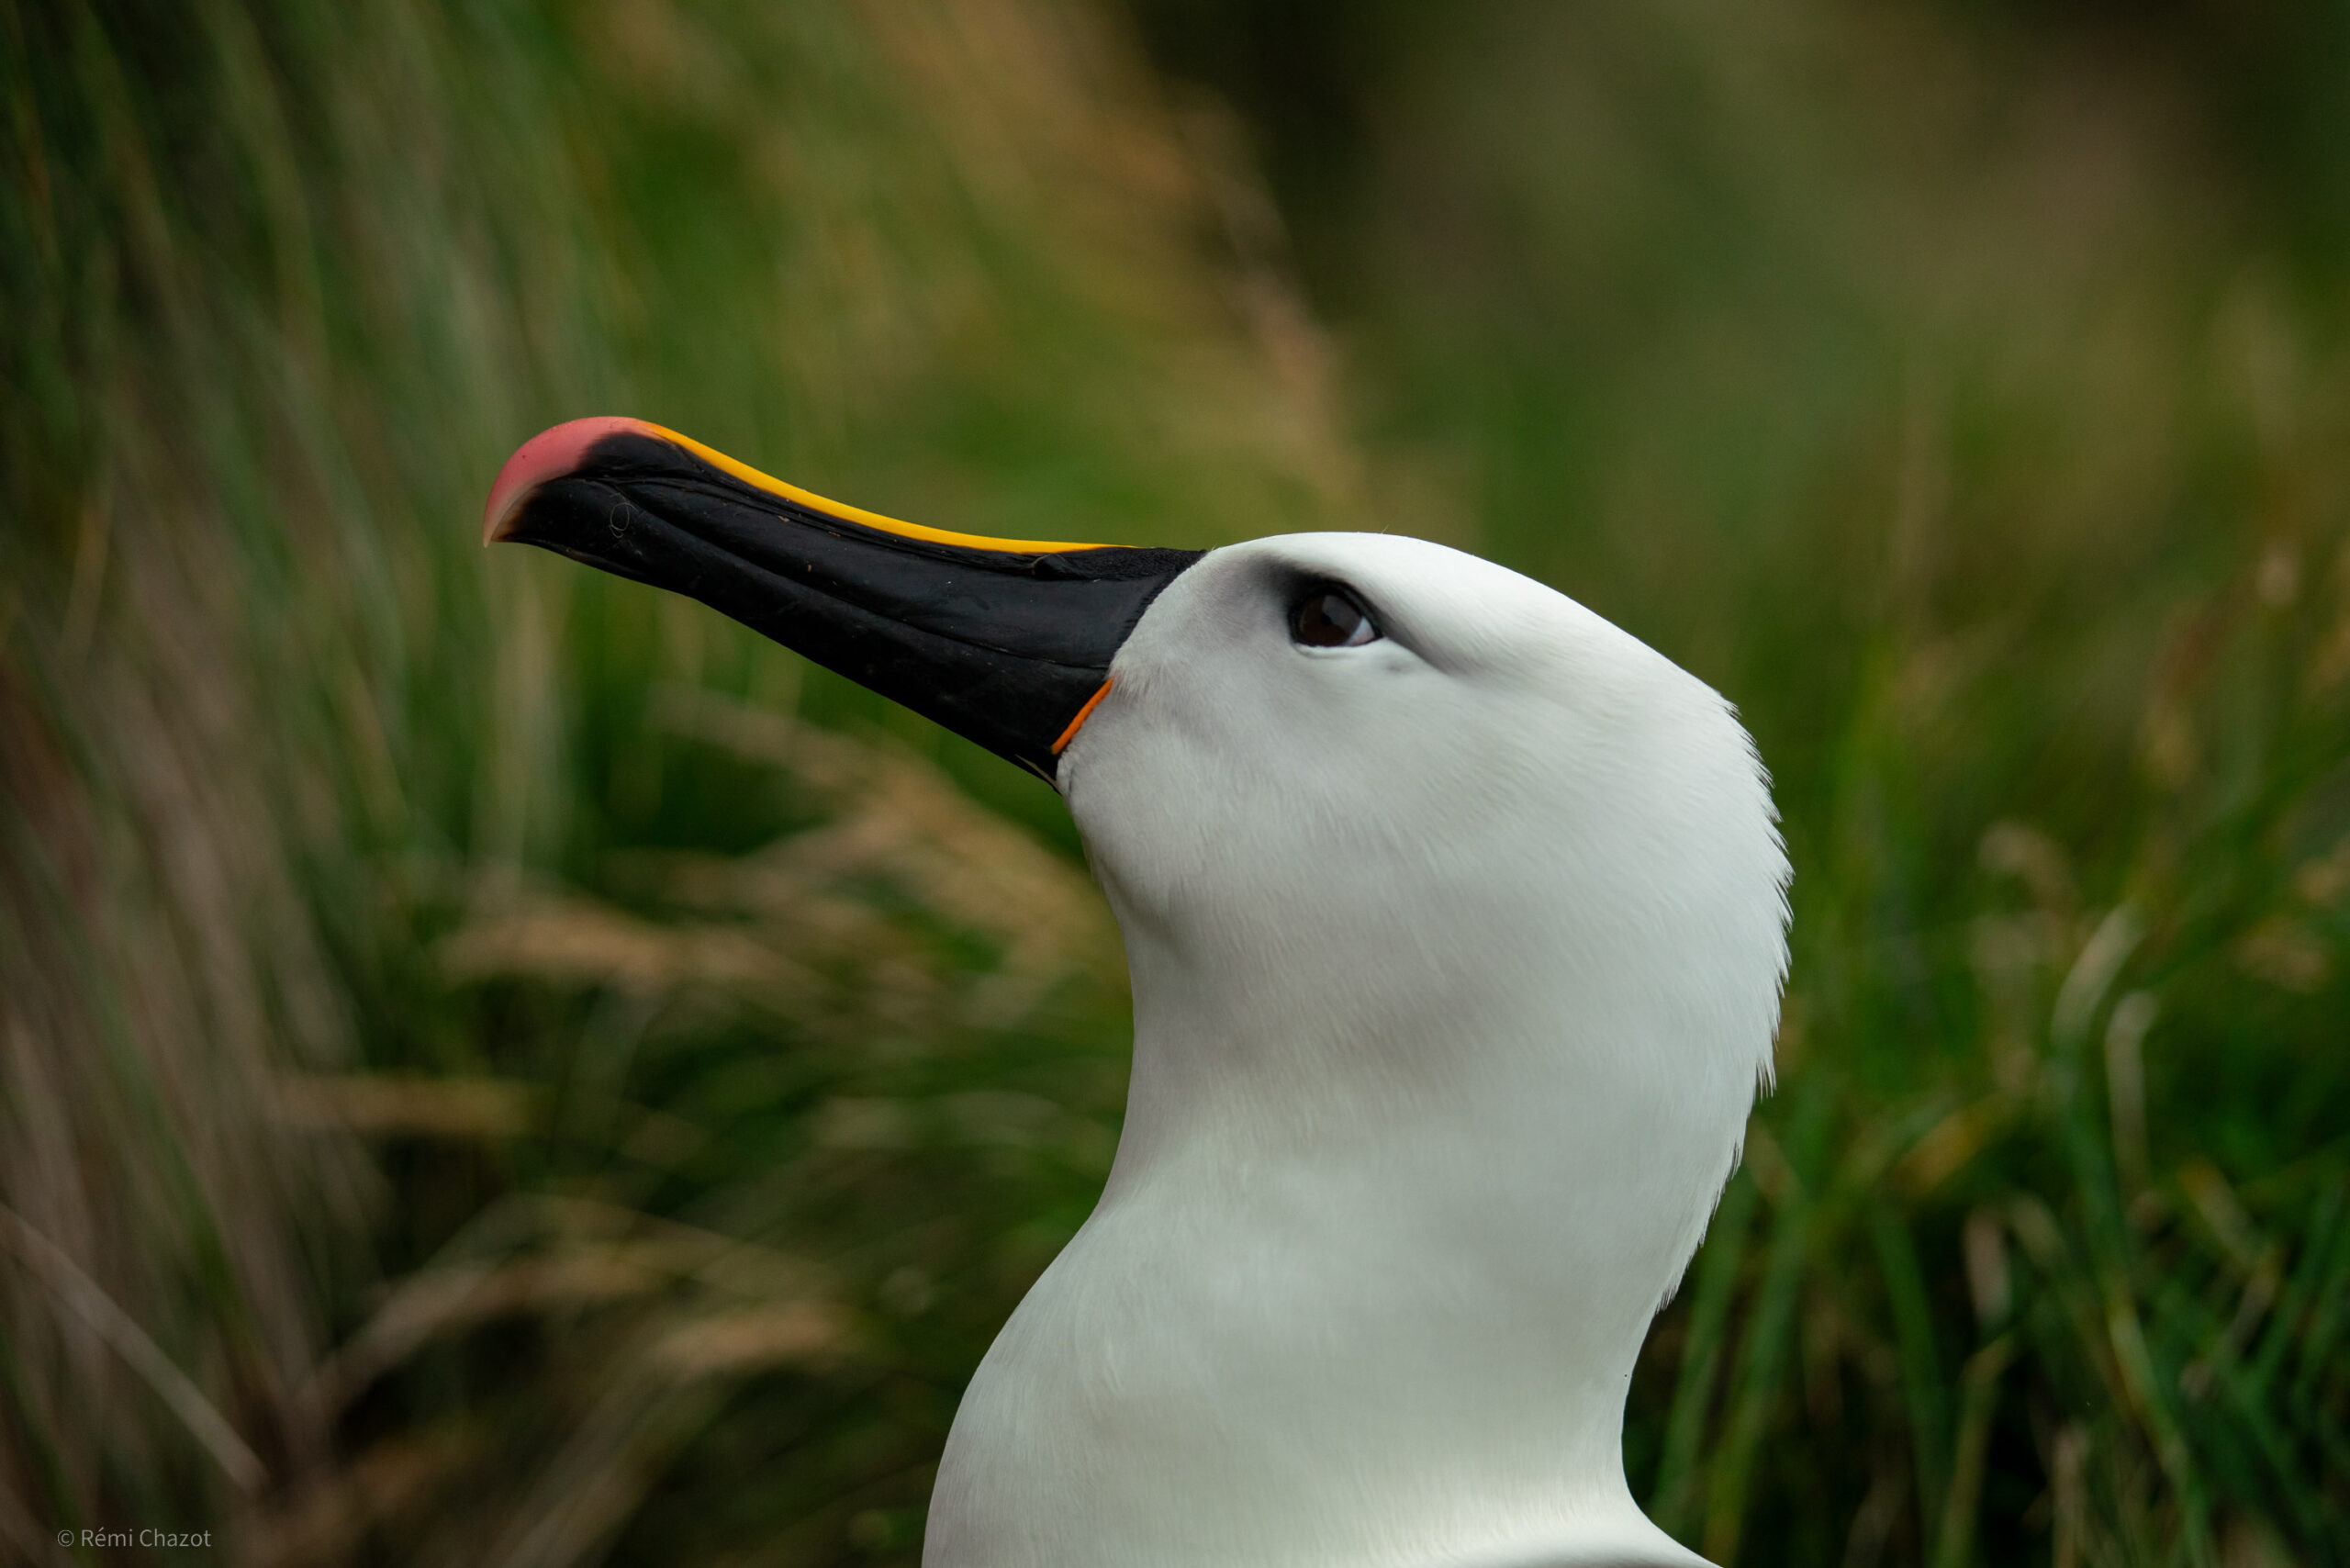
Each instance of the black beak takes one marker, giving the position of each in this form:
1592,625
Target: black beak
1006,641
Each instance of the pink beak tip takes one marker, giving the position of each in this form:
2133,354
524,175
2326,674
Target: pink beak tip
550,455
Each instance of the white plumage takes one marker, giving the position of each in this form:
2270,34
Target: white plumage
1456,962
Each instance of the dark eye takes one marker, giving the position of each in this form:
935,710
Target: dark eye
1327,616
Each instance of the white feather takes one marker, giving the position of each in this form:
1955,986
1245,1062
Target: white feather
1456,963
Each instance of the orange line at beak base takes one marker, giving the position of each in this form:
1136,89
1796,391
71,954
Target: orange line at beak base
1082,714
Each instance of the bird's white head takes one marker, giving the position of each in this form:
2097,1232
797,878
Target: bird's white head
1385,826
1456,923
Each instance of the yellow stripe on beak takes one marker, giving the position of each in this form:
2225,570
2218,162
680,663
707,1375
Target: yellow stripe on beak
774,486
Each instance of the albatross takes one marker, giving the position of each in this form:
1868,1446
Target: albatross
1456,923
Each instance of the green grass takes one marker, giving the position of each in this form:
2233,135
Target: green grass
497,1066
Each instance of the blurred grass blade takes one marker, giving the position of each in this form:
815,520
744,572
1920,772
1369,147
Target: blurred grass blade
1978,1402
77,1292
1921,1378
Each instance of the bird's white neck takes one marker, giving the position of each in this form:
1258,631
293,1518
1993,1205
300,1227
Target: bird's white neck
1385,1315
